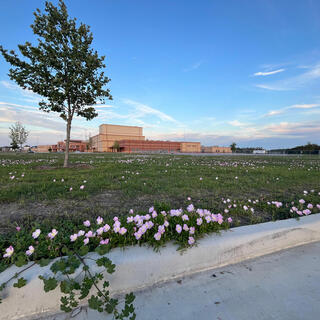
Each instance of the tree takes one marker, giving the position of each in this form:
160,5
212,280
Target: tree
62,68
18,135
233,147
116,146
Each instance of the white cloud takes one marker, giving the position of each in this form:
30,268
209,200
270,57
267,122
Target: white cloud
268,73
236,123
295,82
295,106
29,96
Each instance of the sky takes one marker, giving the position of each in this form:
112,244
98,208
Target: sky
214,71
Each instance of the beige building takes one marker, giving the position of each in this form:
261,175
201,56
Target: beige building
216,149
109,133
190,147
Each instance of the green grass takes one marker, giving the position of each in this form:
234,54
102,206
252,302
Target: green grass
168,179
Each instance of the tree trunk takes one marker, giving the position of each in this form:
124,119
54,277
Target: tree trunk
66,154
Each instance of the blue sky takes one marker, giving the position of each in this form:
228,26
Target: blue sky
209,71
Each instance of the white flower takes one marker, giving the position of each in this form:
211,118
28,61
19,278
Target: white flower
36,234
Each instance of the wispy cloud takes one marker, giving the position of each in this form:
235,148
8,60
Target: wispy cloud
295,82
268,73
237,123
28,95
194,66
295,106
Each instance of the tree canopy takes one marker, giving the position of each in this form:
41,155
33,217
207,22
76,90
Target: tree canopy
18,135
62,67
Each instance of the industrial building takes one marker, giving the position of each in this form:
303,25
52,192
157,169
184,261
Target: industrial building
117,138
131,139
216,149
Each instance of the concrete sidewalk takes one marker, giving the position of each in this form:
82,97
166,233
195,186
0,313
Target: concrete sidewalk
284,285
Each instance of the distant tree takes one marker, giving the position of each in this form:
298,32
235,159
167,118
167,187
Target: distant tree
233,147
62,68
116,146
18,135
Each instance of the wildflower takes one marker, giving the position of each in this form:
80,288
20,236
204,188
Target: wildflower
245,208
100,231
299,213
185,217
178,228
70,189
73,237
219,218
201,179
309,206
115,219
191,241
166,223
81,187
81,233
18,228
137,235
199,221
129,219
154,214
301,201
54,180
89,234
131,211
161,229
9,252
52,234
157,236
226,210
86,241
229,219
192,230
84,181
252,210
163,213
306,212
87,223
106,241
30,251
318,206
208,219
151,209
189,199
122,231
185,227
190,207
99,220
62,180
36,234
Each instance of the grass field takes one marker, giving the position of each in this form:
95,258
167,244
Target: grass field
35,186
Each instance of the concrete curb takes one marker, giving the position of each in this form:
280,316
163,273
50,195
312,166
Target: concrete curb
141,267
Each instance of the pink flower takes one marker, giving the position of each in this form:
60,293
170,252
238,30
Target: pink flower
151,209
86,241
199,221
99,220
100,231
178,228
36,233
201,179
189,199
30,251
106,228
301,201
70,189
166,223
161,229
9,252
154,214
185,217
306,212
89,234
106,241
229,219
52,234
137,235
299,213
129,219
115,219
157,236
18,228
87,223
185,227
81,187
81,233
131,211
191,241
318,206
122,231
309,206
73,237
190,207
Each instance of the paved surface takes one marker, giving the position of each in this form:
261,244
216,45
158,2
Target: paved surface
284,285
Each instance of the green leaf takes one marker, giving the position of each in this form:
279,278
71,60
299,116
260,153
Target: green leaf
95,303
49,284
129,298
21,261
102,249
83,250
107,263
20,283
43,262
